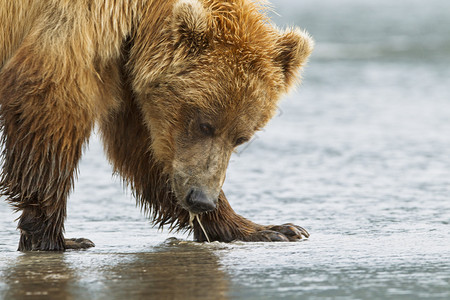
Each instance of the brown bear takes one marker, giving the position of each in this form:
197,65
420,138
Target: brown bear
174,87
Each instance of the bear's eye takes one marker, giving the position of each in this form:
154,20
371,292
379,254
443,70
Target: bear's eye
240,141
207,129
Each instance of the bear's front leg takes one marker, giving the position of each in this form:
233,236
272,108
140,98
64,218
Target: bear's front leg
45,119
224,225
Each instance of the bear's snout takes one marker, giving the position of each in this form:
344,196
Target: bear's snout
198,202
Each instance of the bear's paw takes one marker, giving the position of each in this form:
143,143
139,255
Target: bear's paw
78,244
279,233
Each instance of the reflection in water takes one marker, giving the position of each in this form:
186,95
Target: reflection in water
175,270
45,275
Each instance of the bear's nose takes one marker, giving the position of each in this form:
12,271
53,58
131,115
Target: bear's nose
198,202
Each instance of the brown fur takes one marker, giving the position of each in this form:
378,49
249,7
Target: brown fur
146,71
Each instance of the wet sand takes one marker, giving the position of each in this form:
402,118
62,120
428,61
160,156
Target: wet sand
174,270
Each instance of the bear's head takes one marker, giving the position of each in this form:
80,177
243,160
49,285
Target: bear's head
211,80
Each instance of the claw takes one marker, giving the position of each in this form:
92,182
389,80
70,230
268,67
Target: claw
290,231
279,233
269,236
302,230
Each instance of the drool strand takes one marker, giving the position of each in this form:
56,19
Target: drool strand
204,231
193,216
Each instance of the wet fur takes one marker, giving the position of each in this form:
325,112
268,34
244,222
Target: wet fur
68,65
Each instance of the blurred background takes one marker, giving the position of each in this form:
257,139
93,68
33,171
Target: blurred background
359,155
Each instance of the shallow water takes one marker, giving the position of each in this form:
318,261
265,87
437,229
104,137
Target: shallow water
359,156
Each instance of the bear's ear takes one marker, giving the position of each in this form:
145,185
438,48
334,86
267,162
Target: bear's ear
294,46
190,25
